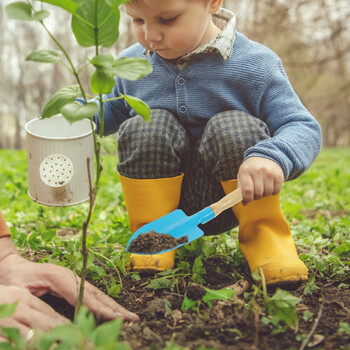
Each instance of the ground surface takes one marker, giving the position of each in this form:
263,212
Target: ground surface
229,324
317,208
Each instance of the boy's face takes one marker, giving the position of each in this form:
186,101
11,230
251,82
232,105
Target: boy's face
173,28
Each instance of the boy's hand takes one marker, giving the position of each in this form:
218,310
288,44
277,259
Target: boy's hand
259,177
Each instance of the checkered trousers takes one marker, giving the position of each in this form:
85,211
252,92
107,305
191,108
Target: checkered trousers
163,149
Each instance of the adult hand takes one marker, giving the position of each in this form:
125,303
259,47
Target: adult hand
61,282
31,312
259,177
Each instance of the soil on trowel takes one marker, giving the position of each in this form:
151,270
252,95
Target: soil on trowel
152,242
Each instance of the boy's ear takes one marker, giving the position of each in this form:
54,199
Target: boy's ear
214,5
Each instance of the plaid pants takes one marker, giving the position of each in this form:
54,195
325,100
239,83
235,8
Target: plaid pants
163,149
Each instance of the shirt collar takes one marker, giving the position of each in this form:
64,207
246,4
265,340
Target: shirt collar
223,43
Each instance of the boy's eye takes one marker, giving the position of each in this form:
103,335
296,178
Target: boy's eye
137,20
168,20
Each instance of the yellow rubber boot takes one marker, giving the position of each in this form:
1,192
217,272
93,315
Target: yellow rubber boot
265,239
147,200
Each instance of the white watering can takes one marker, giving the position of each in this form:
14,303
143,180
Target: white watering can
57,153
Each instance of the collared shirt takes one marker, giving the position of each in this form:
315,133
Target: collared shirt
223,42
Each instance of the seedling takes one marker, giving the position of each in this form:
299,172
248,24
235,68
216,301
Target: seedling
207,297
94,24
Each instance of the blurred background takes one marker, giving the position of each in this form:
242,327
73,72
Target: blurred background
311,36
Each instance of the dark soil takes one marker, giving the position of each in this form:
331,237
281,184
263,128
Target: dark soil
153,242
230,324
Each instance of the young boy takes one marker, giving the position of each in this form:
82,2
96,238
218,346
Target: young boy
223,115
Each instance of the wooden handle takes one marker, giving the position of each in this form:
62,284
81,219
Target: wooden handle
227,202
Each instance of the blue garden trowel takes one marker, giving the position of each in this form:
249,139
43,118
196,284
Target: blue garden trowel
178,224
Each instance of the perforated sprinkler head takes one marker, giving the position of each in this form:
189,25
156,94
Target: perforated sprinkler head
56,171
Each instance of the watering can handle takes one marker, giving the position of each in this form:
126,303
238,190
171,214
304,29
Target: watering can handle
227,202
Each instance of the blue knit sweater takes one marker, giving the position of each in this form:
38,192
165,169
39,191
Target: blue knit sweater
251,80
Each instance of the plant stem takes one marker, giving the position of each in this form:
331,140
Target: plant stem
93,190
97,145
74,71
85,251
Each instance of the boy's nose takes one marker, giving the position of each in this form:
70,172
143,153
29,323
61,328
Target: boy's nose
152,34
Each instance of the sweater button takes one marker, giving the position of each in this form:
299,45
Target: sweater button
183,109
181,81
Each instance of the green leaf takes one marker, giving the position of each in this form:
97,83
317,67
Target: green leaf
68,336
75,111
109,144
116,2
343,251
19,10
6,310
220,294
92,30
159,283
102,82
103,79
139,106
40,15
59,99
107,68
68,5
282,304
107,333
46,56
188,303
6,346
344,327
168,308
22,11
14,335
85,321
100,61
198,267
97,272
114,289
131,68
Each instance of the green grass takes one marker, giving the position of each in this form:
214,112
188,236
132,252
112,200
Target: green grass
317,206
20,209
35,226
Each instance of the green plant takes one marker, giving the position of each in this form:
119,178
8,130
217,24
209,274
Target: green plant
95,23
280,308
80,335
209,295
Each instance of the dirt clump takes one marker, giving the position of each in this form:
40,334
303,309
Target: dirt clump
195,291
152,242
